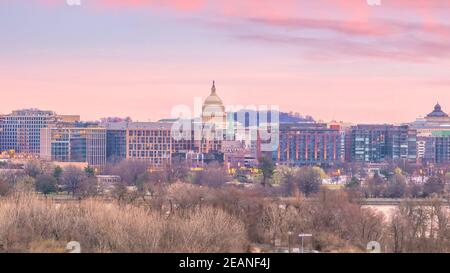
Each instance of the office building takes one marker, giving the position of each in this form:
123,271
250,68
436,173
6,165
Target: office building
437,148
20,130
116,141
307,144
74,144
343,129
149,141
379,143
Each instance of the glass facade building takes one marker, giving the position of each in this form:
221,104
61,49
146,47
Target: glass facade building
74,145
378,143
116,141
154,142
437,149
20,130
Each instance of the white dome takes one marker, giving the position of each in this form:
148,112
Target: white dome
213,102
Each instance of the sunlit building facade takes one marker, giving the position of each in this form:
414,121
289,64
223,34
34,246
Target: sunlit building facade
437,148
116,141
436,122
74,144
149,141
20,130
308,144
379,143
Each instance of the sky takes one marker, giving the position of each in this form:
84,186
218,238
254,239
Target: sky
340,60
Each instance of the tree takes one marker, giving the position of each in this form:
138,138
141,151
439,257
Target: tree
411,231
309,179
25,183
89,171
88,187
128,170
288,183
46,184
72,178
396,186
57,172
142,181
120,191
267,169
434,185
375,186
241,176
33,168
397,170
214,175
415,190
447,177
176,170
6,183
305,179
353,183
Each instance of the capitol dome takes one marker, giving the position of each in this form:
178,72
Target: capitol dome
213,102
213,111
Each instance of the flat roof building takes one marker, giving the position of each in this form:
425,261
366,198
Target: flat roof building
378,143
74,144
307,144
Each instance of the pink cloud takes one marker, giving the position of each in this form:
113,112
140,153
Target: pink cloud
180,5
406,50
339,26
354,10
420,39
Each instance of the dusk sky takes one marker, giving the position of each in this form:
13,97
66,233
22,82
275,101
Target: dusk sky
331,59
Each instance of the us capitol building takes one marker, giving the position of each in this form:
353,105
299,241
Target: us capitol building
213,111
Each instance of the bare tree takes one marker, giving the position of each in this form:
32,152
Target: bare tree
309,179
375,186
6,184
177,170
88,187
214,175
434,185
72,178
128,170
33,168
396,186
46,184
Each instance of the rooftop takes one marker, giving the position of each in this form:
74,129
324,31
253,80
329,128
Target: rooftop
437,112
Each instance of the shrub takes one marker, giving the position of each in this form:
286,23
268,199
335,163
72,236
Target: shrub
26,221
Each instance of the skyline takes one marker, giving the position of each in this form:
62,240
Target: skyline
331,60
421,116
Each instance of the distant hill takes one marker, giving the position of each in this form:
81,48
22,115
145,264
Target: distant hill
284,117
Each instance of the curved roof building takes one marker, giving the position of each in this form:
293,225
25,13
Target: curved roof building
213,110
438,114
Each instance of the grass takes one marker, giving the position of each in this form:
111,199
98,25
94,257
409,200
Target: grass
333,187
32,224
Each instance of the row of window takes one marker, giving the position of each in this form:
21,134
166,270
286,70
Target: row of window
148,133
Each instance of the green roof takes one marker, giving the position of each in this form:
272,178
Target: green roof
441,133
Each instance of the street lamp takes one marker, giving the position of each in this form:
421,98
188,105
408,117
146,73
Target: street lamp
289,241
303,235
